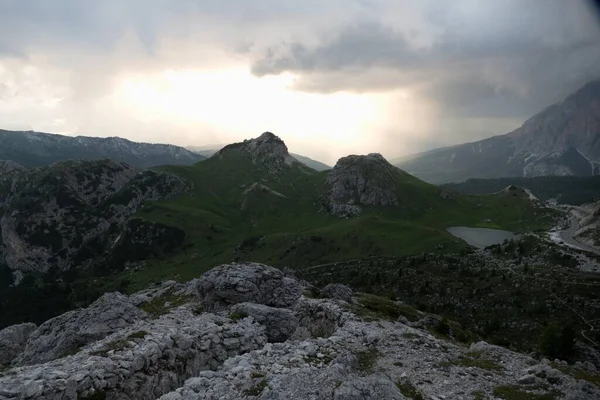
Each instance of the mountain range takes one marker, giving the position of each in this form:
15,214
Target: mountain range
36,149
87,222
83,233
563,139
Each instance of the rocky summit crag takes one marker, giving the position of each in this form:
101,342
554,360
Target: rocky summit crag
68,214
170,347
266,150
371,181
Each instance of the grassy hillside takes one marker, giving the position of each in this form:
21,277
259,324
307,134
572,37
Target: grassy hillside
240,210
575,190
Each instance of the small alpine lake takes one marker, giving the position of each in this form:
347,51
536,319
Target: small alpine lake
480,237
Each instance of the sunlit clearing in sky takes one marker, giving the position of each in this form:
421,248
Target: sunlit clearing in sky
241,105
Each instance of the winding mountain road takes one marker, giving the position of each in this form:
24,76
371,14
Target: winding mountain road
568,236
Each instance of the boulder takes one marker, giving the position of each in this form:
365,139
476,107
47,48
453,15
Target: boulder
13,340
230,284
65,334
280,323
372,387
337,291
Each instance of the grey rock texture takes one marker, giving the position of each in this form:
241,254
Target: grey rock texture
70,331
61,215
372,387
7,167
360,180
187,354
267,150
337,291
230,284
280,323
13,340
343,365
139,362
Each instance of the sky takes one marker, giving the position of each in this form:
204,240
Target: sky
330,78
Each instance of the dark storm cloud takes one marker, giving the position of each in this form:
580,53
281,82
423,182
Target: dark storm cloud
484,66
508,62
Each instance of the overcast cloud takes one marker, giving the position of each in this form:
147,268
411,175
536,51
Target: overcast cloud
435,72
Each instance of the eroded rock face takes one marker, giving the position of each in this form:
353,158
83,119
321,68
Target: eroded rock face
359,180
249,282
337,291
369,388
7,166
185,353
280,323
13,340
267,150
51,214
68,332
140,362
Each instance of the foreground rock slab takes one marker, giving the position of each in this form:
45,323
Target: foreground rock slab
250,282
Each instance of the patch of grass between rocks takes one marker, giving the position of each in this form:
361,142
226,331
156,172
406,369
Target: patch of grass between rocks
409,390
515,392
474,359
257,389
367,360
373,308
163,304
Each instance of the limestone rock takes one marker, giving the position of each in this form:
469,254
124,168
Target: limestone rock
68,332
249,282
360,180
337,291
373,387
75,211
267,150
280,323
13,340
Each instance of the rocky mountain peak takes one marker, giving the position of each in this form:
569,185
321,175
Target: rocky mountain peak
267,150
560,140
360,180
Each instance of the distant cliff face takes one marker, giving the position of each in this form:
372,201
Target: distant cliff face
563,140
63,215
35,149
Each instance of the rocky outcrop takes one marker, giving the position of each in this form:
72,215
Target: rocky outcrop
368,388
139,363
230,284
279,323
13,340
69,332
267,150
184,352
376,360
70,213
360,180
337,291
